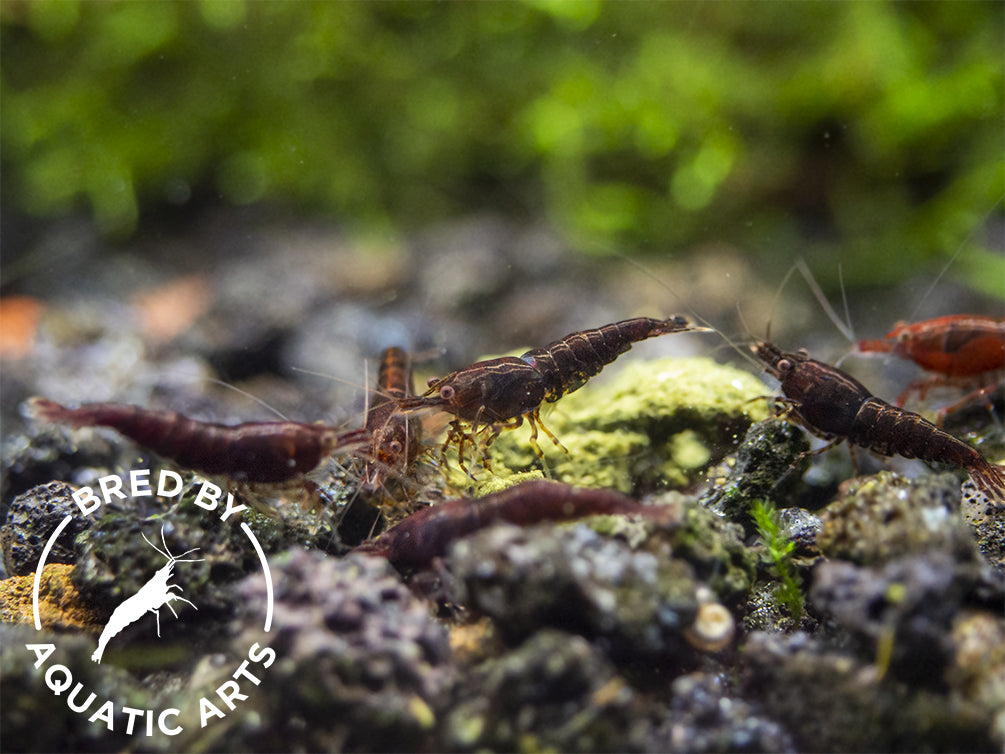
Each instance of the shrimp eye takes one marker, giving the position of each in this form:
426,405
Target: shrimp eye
903,336
783,365
447,392
394,446
432,381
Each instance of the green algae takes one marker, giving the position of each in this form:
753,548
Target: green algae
656,424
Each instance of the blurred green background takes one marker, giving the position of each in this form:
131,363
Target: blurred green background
872,130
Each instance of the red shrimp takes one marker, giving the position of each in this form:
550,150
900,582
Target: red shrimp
257,452
500,393
836,406
960,348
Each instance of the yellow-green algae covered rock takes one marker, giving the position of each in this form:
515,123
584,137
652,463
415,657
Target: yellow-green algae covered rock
656,424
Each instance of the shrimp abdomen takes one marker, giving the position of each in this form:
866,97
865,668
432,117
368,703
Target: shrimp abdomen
889,430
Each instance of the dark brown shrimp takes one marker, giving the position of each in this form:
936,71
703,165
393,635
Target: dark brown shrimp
258,452
500,393
424,535
834,405
395,440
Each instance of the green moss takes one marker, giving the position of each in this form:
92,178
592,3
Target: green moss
656,424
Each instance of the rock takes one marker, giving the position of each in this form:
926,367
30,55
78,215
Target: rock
570,578
830,701
555,692
31,521
60,606
767,466
35,719
361,664
704,717
715,549
887,516
902,612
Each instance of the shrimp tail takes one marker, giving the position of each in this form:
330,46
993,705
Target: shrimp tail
989,478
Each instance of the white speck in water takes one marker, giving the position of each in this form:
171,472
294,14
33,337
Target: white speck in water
934,518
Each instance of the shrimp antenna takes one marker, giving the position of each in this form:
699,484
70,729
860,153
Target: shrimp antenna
843,327
366,381
340,380
691,310
844,301
775,300
746,327
952,259
249,396
224,384
664,284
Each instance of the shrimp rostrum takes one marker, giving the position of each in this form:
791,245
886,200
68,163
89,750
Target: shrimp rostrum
836,406
500,393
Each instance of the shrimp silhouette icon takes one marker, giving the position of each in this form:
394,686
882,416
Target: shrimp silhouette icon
151,597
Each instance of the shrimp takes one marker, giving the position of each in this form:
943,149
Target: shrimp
836,406
152,596
500,393
265,452
960,348
427,534
394,440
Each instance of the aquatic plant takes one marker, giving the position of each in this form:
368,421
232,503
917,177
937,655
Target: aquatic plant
778,553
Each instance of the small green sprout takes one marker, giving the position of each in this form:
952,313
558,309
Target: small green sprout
778,552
